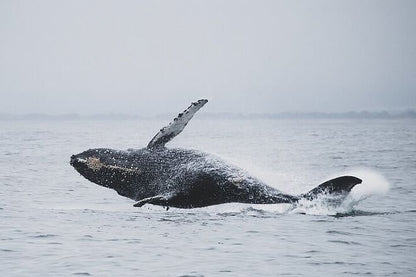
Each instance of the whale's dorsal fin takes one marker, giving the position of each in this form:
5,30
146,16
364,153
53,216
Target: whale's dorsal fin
176,126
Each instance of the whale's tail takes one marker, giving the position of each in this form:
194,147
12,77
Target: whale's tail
335,187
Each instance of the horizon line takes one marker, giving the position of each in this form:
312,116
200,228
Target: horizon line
218,115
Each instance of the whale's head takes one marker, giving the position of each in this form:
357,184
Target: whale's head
108,168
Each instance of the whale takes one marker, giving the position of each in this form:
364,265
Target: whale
182,178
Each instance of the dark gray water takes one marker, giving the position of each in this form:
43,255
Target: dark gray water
54,222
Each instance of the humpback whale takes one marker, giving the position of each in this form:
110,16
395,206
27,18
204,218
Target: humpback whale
186,178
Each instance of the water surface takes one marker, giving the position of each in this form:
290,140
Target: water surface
54,222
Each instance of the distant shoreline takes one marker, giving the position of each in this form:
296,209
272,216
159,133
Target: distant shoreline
218,116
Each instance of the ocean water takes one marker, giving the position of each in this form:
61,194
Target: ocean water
56,223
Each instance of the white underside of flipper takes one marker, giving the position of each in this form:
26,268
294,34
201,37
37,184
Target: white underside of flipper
176,126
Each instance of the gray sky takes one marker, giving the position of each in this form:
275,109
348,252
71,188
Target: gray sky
151,57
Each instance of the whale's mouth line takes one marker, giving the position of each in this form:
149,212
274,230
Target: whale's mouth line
95,164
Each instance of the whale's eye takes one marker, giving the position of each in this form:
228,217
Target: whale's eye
94,163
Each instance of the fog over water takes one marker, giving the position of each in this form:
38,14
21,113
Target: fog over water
144,57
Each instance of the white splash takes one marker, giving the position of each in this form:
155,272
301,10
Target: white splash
373,183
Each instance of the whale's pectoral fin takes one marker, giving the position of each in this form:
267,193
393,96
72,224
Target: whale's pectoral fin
161,200
176,126
337,186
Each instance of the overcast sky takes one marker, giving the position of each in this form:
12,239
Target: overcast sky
152,57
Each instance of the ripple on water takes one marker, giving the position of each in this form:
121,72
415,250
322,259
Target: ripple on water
345,242
359,213
43,236
312,251
338,232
